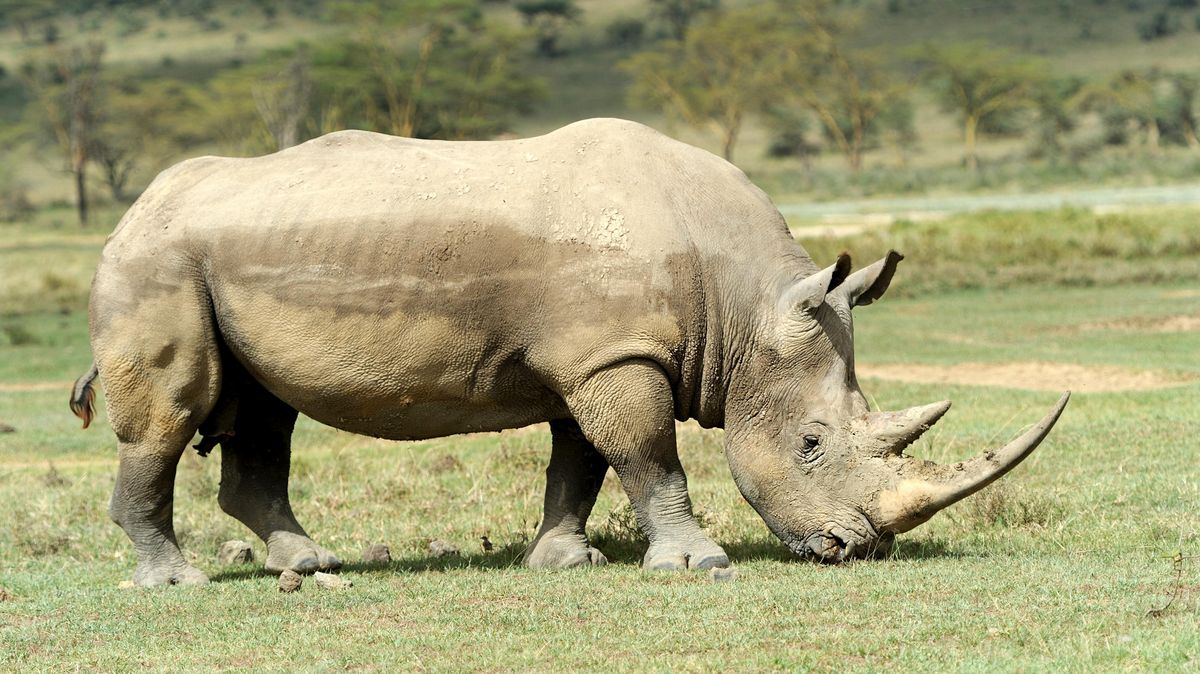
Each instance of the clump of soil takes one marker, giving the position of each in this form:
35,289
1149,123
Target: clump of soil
235,552
441,548
377,553
290,581
328,581
1030,375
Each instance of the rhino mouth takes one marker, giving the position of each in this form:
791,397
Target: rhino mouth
838,546
835,544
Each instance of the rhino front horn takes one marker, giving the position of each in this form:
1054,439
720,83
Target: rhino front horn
925,488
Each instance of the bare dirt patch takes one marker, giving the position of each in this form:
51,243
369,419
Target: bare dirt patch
1030,375
1157,324
34,386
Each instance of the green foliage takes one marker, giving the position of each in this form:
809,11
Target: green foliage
715,78
463,80
678,15
1004,249
1159,25
1056,114
15,204
1146,108
142,123
548,18
981,83
625,32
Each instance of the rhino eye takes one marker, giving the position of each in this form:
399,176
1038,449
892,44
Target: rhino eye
811,441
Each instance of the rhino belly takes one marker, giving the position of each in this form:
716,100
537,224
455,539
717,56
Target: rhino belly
367,360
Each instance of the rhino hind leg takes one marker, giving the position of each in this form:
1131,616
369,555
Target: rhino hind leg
627,412
255,462
160,368
573,480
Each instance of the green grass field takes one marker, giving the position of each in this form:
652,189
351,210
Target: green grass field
1053,568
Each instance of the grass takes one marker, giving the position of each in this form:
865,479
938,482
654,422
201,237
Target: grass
1067,247
1054,568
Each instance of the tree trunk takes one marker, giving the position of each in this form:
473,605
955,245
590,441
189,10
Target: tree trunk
81,200
970,128
729,140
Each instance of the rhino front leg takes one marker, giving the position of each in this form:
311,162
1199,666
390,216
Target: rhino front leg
255,463
573,480
627,412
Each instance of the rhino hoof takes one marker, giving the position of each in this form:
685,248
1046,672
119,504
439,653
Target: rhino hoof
183,574
563,553
703,557
298,553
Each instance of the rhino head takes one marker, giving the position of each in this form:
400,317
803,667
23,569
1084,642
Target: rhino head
829,476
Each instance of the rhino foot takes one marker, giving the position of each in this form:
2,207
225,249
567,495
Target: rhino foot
298,553
681,556
182,573
563,552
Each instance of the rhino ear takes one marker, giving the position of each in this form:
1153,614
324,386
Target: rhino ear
809,293
869,283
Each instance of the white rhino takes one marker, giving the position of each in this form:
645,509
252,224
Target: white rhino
603,278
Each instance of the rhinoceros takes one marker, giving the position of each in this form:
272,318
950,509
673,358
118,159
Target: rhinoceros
603,278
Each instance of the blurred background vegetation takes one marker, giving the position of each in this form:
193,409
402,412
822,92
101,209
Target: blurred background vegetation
816,99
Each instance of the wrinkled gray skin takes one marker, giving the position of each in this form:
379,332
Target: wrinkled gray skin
603,277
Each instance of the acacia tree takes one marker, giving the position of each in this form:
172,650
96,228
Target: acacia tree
548,18
720,73
461,71
678,15
64,89
141,122
1126,104
980,83
1056,105
283,100
848,90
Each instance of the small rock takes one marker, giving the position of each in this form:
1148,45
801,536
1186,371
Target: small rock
126,585
377,554
235,552
441,548
290,581
727,575
5,595
328,581
5,428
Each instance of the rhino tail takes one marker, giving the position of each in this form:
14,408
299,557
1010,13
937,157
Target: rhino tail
83,396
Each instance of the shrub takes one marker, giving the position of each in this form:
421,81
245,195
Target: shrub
625,32
1162,24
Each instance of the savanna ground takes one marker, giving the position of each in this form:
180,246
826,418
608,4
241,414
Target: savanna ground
1054,568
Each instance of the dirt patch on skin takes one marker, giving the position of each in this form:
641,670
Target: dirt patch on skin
1030,375
1158,324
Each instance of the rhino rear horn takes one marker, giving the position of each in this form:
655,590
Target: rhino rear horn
869,283
810,293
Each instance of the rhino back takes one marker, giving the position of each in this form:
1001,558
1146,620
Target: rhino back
410,288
